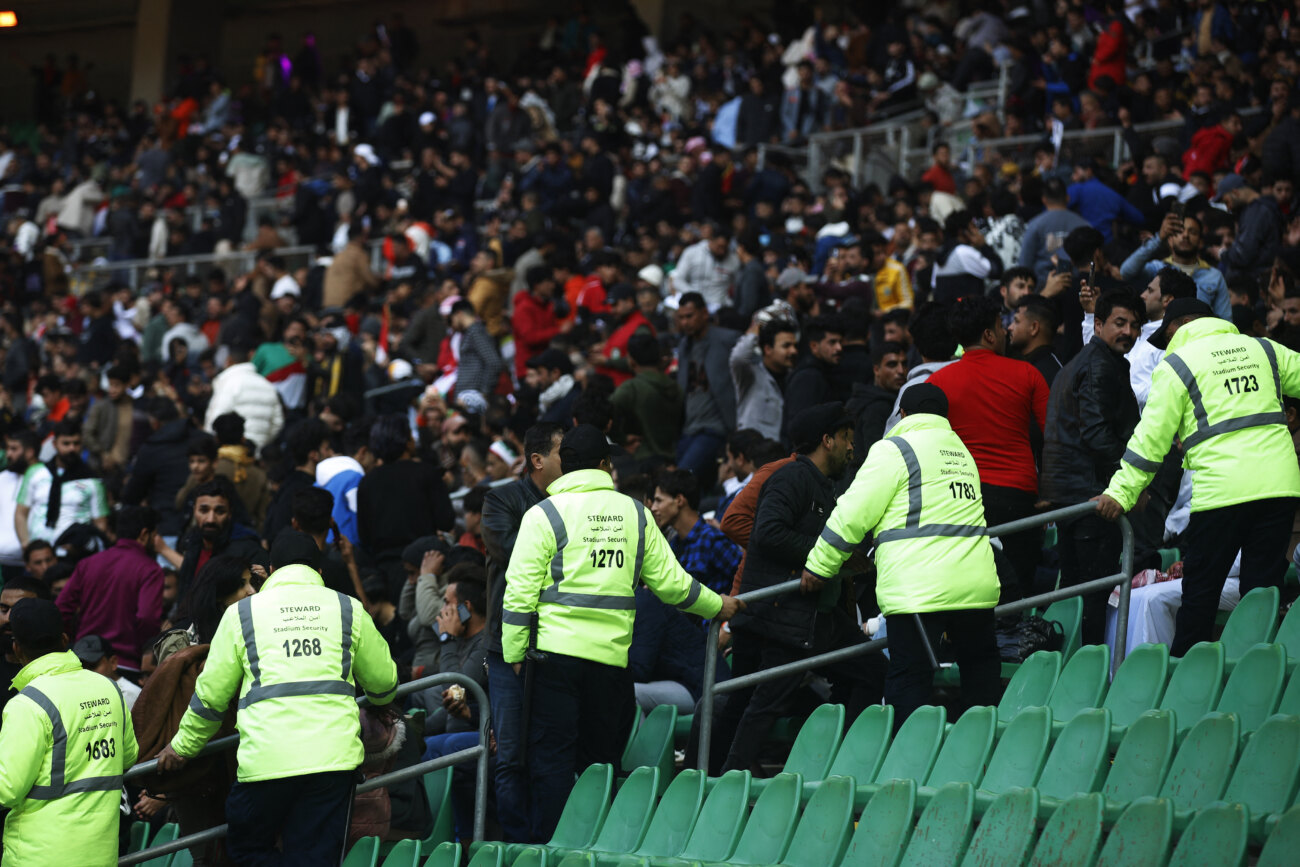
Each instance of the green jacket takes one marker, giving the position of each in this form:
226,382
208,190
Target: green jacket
576,564
651,403
919,492
292,654
1220,393
65,742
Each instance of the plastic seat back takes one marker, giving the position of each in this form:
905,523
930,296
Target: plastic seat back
1018,759
1138,684
1217,836
674,819
884,827
944,828
1252,622
579,859
183,858
1079,757
1290,702
1082,682
533,856
1288,634
1071,837
406,853
863,749
629,816
652,744
1203,763
489,856
771,824
585,810
1283,843
824,829
1068,613
1266,774
966,749
814,748
1143,758
171,831
1032,684
717,830
1194,688
1254,686
437,786
912,754
1141,836
1006,832
445,855
364,852
139,837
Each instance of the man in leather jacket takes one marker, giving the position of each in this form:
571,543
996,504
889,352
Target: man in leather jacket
1090,415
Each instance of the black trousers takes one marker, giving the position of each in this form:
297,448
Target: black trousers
309,814
581,713
1020,550
910,682
1090,548
1259,529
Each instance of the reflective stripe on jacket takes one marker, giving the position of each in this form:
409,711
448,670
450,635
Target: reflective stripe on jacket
65,742
1220,392
291,654
576,564
919,492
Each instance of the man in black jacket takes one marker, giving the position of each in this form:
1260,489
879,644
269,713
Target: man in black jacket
792,511
503,509
1090,416
308,445
812,382
161,467
872,403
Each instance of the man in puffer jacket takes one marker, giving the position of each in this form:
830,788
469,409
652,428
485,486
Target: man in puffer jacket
240,388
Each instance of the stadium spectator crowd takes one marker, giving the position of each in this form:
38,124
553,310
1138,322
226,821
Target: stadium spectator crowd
590,232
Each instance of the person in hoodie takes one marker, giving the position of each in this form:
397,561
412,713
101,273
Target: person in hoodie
341,474
871,403
161,467
933,342
1211,146
966,261
534,321
1259,229
647,406
236,463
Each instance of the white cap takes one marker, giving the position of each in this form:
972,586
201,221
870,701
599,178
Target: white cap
652,274
427,118
503,451
400,369
367,153
286,285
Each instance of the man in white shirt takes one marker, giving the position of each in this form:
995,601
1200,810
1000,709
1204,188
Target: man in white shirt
63,492
21,447
708,267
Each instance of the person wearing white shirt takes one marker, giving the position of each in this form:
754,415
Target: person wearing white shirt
708,267
21,448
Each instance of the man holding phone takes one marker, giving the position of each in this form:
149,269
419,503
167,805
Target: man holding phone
1178,244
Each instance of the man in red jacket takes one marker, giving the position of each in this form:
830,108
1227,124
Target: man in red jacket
1211,146
995,404
534,321
610,357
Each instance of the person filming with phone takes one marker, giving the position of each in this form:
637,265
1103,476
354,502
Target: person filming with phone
1178,244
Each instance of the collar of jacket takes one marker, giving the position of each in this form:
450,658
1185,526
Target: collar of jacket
296,575
1206,326
581,481
1118,356
50,663
919,421
1200,265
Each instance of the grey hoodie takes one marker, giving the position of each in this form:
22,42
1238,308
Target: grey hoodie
917,374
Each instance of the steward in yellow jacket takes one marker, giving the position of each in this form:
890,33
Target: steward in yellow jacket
570,597
1220,393
65,742
918,492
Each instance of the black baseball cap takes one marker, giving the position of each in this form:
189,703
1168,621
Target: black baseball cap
1177,309
924,397
295,548
620,292
585,445
35,622
90,649
413,554
825,419
551,359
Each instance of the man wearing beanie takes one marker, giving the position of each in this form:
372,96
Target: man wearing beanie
65,742
566,619
292,656
918,494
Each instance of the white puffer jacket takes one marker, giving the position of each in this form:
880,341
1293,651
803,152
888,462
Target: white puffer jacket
240,388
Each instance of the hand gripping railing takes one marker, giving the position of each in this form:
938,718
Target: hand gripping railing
479,752
712,688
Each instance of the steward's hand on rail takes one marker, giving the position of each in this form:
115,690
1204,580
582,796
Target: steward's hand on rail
730,605
169,761
809,583
1108,508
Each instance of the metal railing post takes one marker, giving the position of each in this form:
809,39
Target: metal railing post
706,700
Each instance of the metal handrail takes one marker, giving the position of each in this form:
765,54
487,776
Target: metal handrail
132,268
712,688
479,752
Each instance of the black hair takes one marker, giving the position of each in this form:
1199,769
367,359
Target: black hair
134,520
25,437
1176,283
644,350
1018,273
594,408
56,573
956,223
229,429
1082,244
930,333
970,317
694,298
743,442
389,437
67,428
220,577
1043,310
304,438
217,486
49,382
766,452
463,306
1123,299
540,439
23,584
769,330
682,483
473,501
202,445
1054,191
118,373
470,581
31,548
886,347
312,508
817,328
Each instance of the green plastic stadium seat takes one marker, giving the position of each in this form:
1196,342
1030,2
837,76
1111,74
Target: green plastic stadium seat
1073,834
1266,774
1255,685
1021,751
490,857
966,749
1138,684
1168,557
629,816
1068,613
1032,685
585,810
1283,843
1006,832
406,853
813,750
884,827
1218,836
1195,685
444,855
944,828
364,853
771,824
579,859
437,786
865,745
1288,634
1290,702
1252,622
1141,836
912,754
1078,758
139,837
717,830
652,744
183,858
1204,762
824,829
166,834
1143,759
1082,683
531,856
675,817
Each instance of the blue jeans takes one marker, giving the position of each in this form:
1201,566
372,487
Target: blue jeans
506,693
308,813
436,747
